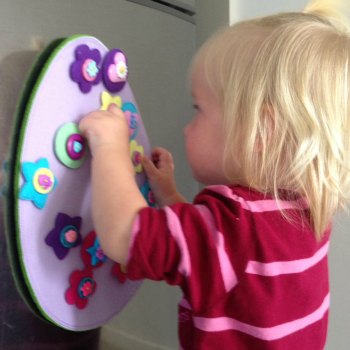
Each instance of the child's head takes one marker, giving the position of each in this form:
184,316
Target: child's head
283,84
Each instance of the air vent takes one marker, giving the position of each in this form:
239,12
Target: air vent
173,7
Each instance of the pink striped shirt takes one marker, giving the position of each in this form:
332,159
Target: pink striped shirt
250,278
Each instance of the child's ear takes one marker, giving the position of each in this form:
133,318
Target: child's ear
267,126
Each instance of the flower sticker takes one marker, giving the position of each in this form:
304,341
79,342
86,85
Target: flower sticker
91,251
82,287
136,152
132,117
148,194
119,271
39,182
108,100
118,71
65,235
85,69
115,70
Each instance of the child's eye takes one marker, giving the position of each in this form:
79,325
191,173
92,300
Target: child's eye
195,107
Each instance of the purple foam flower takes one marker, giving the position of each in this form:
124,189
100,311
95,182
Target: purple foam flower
85,69
65,235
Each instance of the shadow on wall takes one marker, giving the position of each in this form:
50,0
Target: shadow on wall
19,328
13,71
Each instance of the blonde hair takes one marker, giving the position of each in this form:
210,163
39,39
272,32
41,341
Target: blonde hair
283,84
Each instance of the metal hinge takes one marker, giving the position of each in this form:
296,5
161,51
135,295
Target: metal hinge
173,7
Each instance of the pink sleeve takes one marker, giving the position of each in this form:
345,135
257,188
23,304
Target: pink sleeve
153,253
177,244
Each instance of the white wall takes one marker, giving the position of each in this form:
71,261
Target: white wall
240,10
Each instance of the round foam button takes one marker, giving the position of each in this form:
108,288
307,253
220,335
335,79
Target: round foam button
75,147
70,146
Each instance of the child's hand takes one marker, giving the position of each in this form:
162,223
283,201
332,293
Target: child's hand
116,198
106,130
160,172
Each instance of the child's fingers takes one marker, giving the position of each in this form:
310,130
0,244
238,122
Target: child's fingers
96,116
105,127
162,158
148,166
85,126
114,109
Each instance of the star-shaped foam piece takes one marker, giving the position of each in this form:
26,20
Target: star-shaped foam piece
39,182
96,253
65,235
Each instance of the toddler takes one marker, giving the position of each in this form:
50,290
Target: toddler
270,141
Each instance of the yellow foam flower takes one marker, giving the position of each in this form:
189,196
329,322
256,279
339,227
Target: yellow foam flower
108,99
136,151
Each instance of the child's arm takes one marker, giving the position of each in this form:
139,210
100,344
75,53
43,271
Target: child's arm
116,199
160,173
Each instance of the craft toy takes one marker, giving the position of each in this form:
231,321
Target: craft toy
59,266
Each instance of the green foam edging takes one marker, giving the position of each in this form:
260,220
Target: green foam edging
23,109
10,198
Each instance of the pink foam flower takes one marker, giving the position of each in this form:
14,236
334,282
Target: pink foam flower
119,271
82,287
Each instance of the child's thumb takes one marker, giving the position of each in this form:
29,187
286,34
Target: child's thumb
113,108
148,165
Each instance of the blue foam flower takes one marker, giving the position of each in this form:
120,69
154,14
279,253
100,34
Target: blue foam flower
148,194
97,255
39,182
132,117
92,69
